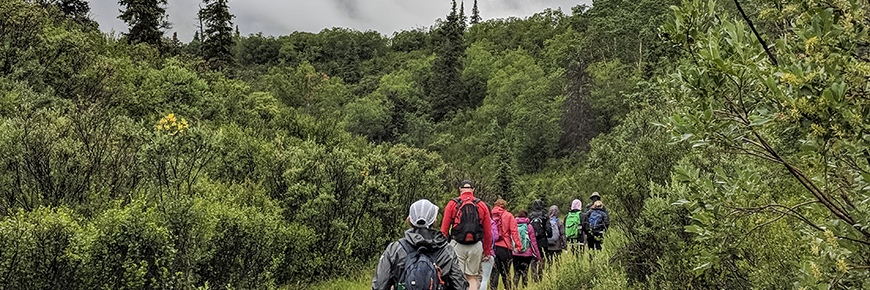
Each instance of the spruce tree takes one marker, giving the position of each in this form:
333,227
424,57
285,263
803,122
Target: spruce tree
146,18
218,35
475,14
445,88
462,19
505,174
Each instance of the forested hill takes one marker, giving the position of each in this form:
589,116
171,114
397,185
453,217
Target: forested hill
728,140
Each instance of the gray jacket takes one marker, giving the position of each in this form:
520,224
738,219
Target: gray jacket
392,262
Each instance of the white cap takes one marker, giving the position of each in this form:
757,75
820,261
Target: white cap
423,213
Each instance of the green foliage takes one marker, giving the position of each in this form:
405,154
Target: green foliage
141,165
795,105
42,249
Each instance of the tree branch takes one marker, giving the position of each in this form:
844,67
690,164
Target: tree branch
761,40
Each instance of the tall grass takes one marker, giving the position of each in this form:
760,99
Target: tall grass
587,269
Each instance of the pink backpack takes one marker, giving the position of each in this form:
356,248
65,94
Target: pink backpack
494,230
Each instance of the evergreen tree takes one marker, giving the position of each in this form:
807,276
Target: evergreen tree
462,19
218,38
194,47
475,14
146,18
505,174
445,88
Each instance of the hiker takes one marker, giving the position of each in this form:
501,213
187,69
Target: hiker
592,199
508,241
422,258
467,223
529,252
540,223
487,265
574,228
557,241
595,223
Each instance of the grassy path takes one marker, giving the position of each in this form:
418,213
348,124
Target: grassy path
589,270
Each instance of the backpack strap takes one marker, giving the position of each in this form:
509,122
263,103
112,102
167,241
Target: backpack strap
453,219
408,250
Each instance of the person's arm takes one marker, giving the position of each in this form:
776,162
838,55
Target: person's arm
486,219
384,278
515,233
606,221
449,211
584,222
451,273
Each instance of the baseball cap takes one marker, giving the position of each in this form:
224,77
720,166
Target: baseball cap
423,213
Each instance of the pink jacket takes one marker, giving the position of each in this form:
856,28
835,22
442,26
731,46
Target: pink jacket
508,231
532,251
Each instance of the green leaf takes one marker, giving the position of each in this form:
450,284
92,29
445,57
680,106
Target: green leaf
694,229
759,120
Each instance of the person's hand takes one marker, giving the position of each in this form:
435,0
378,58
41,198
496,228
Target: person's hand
487,258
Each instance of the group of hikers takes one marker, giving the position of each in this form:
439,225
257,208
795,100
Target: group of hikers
473,240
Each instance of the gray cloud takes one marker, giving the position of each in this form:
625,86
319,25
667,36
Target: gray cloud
282,17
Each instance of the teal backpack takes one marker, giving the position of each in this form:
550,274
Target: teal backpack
524,237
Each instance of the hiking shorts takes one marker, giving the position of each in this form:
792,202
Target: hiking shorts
469,257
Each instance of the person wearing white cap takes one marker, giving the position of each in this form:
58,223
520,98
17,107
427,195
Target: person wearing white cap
420,246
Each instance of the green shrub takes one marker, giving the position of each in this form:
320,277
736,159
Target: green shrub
42,249
131,250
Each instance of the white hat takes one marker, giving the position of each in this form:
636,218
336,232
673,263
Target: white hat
423,213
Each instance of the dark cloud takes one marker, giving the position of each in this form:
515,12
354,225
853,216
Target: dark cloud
348,7
281,17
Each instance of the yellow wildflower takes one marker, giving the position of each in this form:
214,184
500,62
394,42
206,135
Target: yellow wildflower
841,265
831,238
815,249
817,130
790,79
811,44
815,268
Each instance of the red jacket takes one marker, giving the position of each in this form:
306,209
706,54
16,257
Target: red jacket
482,209
508,231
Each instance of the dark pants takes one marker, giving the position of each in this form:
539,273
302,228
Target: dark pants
551,256
538,266
521,270
594,242
503,258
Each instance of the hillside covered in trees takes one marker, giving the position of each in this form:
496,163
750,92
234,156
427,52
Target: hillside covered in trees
728,139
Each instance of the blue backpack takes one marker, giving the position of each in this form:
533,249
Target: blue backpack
421,272
596,222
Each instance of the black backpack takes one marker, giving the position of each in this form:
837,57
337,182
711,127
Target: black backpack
467,228
421,271
538,223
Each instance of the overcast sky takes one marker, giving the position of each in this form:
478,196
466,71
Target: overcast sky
281,17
